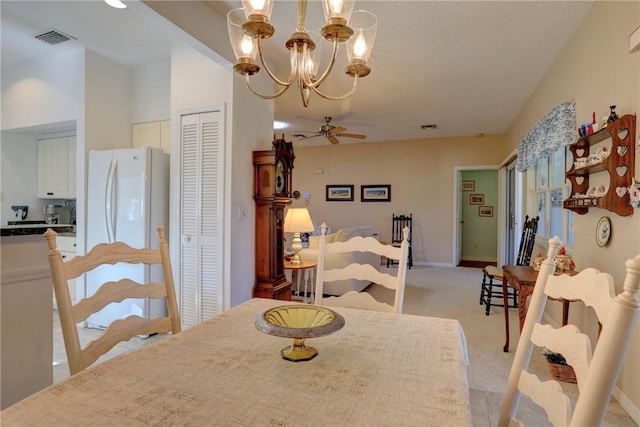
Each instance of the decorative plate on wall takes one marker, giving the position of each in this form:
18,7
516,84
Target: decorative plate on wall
603,231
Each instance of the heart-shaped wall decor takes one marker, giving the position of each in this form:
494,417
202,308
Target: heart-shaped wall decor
621,191
622,133
621,170
622,150
580,152
579,180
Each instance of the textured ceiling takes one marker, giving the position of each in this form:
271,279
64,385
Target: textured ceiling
467,66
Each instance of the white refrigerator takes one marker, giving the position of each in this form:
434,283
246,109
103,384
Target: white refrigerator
128,197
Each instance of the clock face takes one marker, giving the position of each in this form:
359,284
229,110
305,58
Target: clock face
280,179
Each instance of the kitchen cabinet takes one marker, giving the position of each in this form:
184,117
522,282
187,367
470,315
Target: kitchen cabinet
67,248
616,159
57,168
152,134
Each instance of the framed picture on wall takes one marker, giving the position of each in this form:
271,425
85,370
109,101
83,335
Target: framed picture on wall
375,193
485,210
476,199
340,193
468,185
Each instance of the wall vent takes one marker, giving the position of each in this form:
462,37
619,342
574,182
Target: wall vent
54,37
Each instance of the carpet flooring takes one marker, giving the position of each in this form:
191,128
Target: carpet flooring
440,292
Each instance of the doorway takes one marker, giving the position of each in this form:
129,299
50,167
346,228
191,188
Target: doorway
477,211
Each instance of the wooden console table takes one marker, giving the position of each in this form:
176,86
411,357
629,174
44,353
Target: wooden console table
523,280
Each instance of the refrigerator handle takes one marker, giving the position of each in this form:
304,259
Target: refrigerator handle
108,202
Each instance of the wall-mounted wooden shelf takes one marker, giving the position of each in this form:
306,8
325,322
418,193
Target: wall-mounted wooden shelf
620,164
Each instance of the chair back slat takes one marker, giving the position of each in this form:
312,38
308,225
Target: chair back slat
110,292
362,272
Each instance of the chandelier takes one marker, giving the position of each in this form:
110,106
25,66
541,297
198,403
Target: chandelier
249,26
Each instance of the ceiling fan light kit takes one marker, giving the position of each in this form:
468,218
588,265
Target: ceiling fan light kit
328,131
249,26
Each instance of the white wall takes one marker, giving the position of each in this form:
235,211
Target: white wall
252,130
43,92
199,84
38,97
19,177
151,92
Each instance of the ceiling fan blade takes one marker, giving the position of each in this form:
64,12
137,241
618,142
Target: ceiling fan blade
332,139
303,137
337,129
351,135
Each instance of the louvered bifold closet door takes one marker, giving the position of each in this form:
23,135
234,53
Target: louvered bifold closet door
201,217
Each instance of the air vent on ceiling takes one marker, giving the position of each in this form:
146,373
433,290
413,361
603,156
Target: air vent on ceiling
54,37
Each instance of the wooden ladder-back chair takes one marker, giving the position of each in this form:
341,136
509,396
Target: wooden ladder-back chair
368,272
398,224
492,276
121,329
596,371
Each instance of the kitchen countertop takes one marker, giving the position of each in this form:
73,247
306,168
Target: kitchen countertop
30,229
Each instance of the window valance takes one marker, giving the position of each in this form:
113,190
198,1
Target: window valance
555,130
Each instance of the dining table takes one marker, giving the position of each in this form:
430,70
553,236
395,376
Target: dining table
379,369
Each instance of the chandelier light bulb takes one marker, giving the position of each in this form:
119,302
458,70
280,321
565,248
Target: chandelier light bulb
336,7
116,3
360,46
257,4
247,46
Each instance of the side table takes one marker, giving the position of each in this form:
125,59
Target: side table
302,274
523,280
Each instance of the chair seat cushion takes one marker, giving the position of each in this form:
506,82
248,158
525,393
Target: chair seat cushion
492,270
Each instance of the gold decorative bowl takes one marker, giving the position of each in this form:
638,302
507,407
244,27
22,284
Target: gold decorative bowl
299,322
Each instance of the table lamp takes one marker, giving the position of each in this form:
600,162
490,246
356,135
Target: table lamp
297,221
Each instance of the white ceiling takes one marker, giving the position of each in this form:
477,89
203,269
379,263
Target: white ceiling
467,66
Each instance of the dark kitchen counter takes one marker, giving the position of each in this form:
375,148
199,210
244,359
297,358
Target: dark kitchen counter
30,229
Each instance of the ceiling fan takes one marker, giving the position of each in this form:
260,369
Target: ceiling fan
328,131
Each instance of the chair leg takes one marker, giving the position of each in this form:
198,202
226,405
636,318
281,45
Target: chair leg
489,293
482,285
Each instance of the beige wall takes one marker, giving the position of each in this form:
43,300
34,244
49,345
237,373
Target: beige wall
420,173
596,70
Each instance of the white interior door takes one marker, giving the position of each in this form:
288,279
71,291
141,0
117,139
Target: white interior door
201,216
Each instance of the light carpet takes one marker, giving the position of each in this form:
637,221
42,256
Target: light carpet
455,293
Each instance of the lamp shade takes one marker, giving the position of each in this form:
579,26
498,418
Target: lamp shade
298,220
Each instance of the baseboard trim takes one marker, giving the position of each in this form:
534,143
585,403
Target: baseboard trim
434,264
627,405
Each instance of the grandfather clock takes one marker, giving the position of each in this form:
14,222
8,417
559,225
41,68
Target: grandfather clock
272,183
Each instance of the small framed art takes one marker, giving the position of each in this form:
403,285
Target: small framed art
476,199
375,193
468,185
339,193
485,210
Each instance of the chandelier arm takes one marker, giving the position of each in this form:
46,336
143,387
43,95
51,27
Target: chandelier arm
268,71
341,97
275,95
329,67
